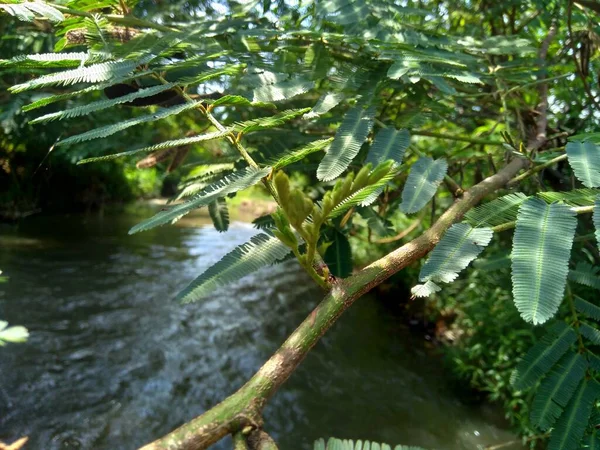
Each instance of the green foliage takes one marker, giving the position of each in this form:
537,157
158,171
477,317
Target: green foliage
424,178
29,11
388,144
338,255
227,185
584,158
460,245
350,136
499,211
348,444
262,250
219,214
541,249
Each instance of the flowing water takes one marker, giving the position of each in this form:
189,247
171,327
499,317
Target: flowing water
113,362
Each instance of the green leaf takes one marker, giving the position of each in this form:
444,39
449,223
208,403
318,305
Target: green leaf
501,210
379,225
389,143
120,126
589,332
161,146
338,256
596,220
543,355
572,424
102,104
227,185
46,60
575,197
362,197
591,442
28,11
349,137
556,390
91,74
283,90
237,100
423,180
584,158
587,308
460,245
325,103
540,258
262,250
219,214
269,122
425,290
585,274
301,153
348,444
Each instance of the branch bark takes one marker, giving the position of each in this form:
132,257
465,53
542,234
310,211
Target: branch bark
244,407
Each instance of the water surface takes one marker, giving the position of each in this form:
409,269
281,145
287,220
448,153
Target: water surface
113,362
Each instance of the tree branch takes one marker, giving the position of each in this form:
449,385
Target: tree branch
243,408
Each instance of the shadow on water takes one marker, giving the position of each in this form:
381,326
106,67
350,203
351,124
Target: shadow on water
113,362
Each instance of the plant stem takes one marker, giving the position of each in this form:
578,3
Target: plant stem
456,138
536,169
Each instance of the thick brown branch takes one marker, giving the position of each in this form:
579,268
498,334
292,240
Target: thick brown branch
244,407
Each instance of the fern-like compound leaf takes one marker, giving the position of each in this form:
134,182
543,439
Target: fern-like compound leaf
90,74
585,274
498,211
425,290
543,355
301,153
101,104
325,103
283,90
269,122
348,444
571,426
28,11
584,158
423,180
389,143
541,249
161,146
590,333
349,137
120,126
362,197
556,390
227,185
596,219
460,245
219,214
575,197
587,308
262,250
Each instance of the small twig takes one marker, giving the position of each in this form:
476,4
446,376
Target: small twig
456,138
536,169
400,235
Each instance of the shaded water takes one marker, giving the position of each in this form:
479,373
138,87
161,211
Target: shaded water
113,362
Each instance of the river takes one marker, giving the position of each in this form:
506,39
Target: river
113,362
